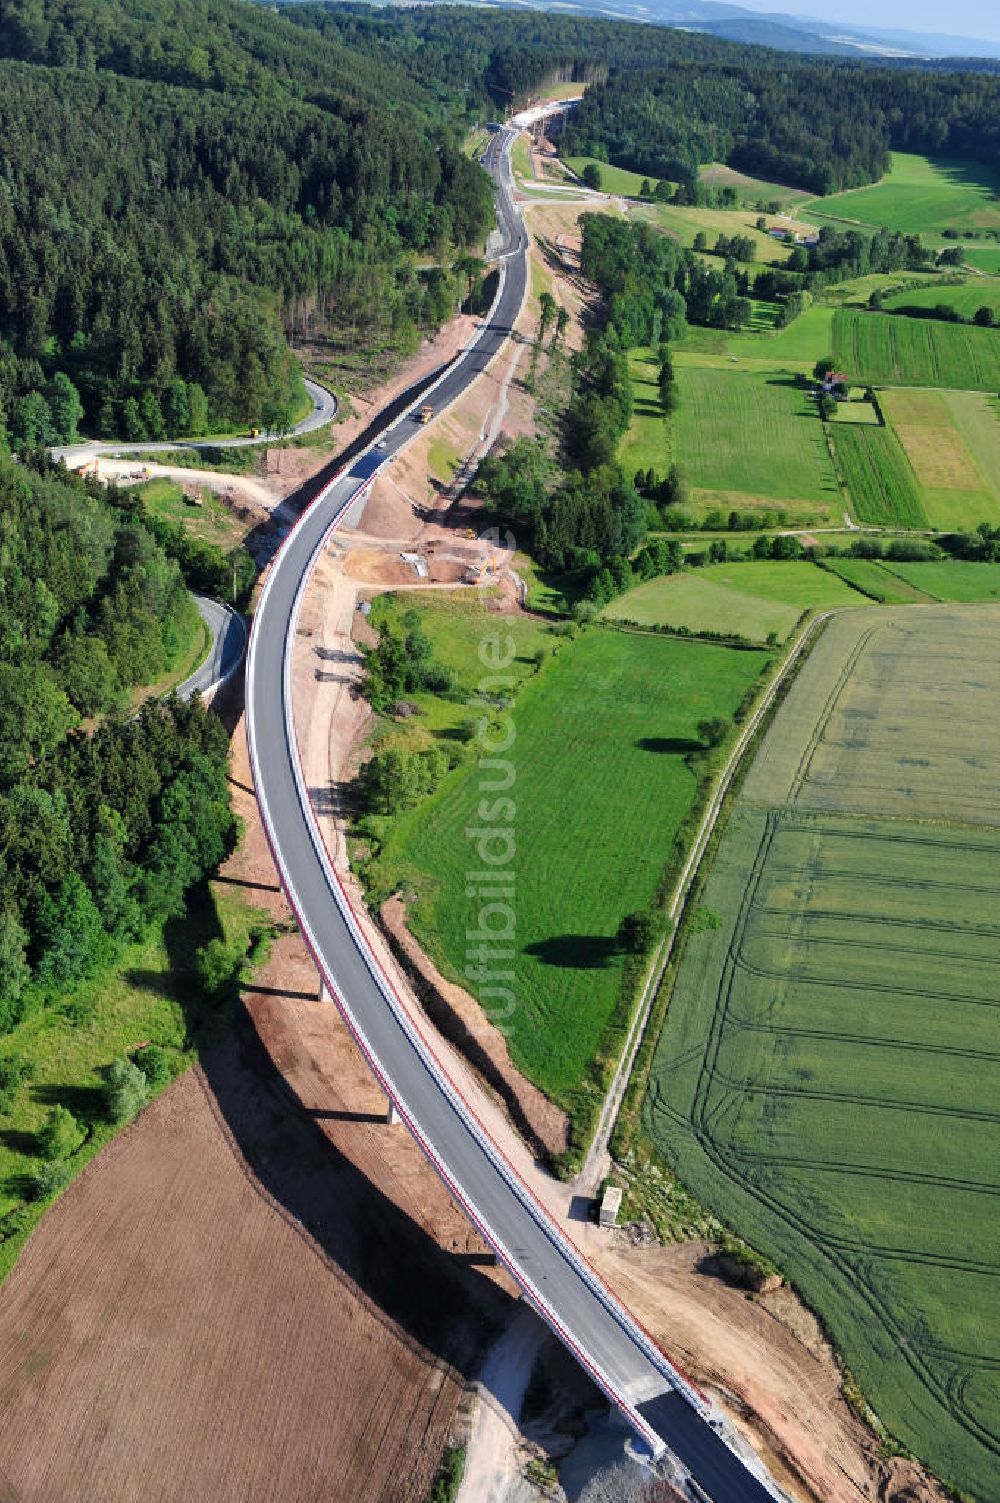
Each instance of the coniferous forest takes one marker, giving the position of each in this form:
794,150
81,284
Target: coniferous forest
106,819
185,183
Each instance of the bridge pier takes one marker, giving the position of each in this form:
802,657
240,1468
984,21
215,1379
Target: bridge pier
392,1117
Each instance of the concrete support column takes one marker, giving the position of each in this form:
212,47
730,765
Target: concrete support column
392,1117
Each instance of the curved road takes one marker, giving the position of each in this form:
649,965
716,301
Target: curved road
229,640
665,1410
324,410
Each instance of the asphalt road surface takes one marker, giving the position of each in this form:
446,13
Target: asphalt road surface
229,640
666,1412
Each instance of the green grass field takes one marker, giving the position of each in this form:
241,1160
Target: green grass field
684,222
920,195
601,788
753,436
752,190
951,579
982,257
647,444
520,157
876,580
211,522
878,476
968,298
826,1076
613,179
856,410
460,626
749,599
916,352
791,348
150,995
952,442
857,290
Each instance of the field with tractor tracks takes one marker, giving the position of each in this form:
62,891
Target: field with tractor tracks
827,1075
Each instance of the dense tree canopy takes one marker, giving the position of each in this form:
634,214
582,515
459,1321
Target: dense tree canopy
99,830
814,123
161,231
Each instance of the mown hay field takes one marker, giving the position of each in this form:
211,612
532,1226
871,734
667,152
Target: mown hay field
739,435
601,787
878,476
952,442
916,351
751,599
827,1074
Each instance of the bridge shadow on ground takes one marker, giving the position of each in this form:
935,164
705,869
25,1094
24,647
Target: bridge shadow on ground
301,1159
435,1298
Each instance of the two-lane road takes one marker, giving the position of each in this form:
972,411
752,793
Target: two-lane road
655,1398
229,640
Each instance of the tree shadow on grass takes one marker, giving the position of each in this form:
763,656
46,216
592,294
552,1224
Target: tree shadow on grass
577,952
18,1141
670,746
86,1102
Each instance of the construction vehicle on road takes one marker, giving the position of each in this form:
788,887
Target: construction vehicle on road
425,414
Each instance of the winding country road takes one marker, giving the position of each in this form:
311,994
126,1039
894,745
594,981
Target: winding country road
229,640
323,411
669,1415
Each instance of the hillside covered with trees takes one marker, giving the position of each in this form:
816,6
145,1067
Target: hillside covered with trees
181,183
103,828
188,184
811,123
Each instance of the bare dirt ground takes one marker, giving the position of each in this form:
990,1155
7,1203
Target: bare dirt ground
781,1385
263,493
